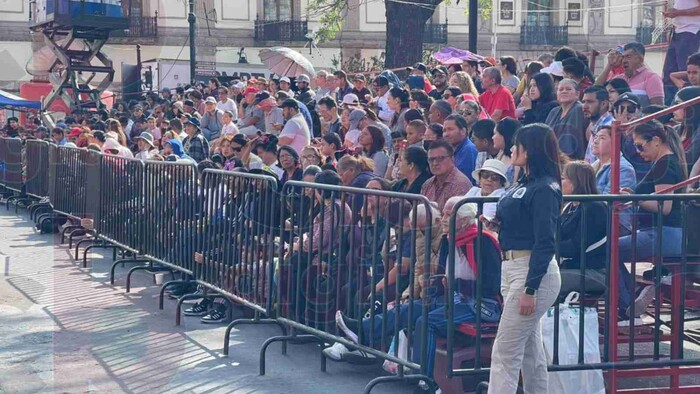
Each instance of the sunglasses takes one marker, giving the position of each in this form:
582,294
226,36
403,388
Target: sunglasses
640,147
446,96
629,108
490,176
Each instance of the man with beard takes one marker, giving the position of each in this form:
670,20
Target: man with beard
439,82
596,109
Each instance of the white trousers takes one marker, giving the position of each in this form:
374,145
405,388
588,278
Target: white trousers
518,346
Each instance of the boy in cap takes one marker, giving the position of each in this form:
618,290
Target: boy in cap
286,86
305,94
212,121
360,89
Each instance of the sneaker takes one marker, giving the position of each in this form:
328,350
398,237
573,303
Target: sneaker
199,292
217,315
336,352
644,299
360,357
348,326
199,309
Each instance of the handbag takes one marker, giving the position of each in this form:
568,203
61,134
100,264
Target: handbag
578,382
391,366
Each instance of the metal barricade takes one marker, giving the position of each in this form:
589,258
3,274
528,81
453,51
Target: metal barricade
171,213
667,324
337,261
121,202
37,168
69,189
236,233
11,157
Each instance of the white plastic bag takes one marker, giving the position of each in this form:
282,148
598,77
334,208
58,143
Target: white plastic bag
391,366
570,382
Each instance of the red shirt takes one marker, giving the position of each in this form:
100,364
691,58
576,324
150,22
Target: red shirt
501,99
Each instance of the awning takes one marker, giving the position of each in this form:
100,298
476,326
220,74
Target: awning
16,103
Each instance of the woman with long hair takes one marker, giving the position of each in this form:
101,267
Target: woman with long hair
616,87
503,137
372,143
116,126
662,147
689,127
526,221
539,100
399,102
332,148
414,170
464,82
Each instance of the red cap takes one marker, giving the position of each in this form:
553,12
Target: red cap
250,90
75,132
490,61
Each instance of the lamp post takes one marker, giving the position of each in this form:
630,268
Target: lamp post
192,20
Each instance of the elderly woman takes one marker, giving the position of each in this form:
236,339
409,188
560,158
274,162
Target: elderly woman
492,181
311,156
567,120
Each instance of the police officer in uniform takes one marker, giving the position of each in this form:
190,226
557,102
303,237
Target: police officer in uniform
526,221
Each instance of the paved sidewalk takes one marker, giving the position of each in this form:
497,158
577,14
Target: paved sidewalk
64,329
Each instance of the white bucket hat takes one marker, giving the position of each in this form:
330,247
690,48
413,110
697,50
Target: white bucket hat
495,166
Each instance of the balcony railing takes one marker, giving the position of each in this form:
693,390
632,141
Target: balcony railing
435,33
281,30
139,27
544,35
645,35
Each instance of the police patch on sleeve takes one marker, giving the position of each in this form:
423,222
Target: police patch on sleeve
520,192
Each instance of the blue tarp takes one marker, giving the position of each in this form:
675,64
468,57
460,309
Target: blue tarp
16,103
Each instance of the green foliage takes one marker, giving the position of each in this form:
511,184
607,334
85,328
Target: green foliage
331,17
356,64
485,7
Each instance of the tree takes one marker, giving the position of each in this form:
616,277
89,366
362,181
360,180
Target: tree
405,25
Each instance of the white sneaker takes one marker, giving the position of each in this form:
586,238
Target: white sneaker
340,322
336,352
645,298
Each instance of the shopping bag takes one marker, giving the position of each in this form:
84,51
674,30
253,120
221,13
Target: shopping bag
578,382
391,366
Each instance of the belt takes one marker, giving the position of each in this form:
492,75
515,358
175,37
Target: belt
515,254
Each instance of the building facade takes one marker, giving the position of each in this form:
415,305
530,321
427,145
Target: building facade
523,28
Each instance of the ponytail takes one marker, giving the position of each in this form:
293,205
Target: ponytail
674,142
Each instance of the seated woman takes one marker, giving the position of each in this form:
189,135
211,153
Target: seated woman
373,336
372,142
662,147
355,172
413,170
578,179
492,183
467,272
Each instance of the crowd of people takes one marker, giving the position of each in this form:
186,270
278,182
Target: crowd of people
482,128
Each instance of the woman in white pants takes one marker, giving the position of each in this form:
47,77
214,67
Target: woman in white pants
526,221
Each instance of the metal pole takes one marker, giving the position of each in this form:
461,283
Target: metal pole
139,66
473,24
192,19
614,253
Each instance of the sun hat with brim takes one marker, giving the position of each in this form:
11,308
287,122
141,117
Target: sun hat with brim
495,166
148,137
555,69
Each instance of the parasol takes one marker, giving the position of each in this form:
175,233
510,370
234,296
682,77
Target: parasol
286,62
450,55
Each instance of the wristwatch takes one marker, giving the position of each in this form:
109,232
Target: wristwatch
530,291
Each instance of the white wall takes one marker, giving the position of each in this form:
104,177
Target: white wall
14,10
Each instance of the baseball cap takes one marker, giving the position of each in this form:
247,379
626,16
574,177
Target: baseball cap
238,85
75,132
439,70
250,90
261,96
193,121
556,69
210,100
303,78
285,79
165,90
359,77
381,81
628,98
351,99
418,66
188,102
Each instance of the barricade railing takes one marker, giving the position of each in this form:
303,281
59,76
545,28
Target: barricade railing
668,250
69,190
11,159
171,214
37,168
337,260
122,210
236,232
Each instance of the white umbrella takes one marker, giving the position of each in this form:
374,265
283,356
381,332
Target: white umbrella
286,62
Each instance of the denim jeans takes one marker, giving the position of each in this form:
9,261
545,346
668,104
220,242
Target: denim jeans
646,248
372,328
682,45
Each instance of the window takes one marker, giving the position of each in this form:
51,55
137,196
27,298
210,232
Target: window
539,13
132,7
277,10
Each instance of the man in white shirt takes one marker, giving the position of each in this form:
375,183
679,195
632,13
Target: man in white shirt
295,132
226,104
685,40
381,89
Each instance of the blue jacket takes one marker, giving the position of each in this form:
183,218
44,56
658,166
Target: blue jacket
465,158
